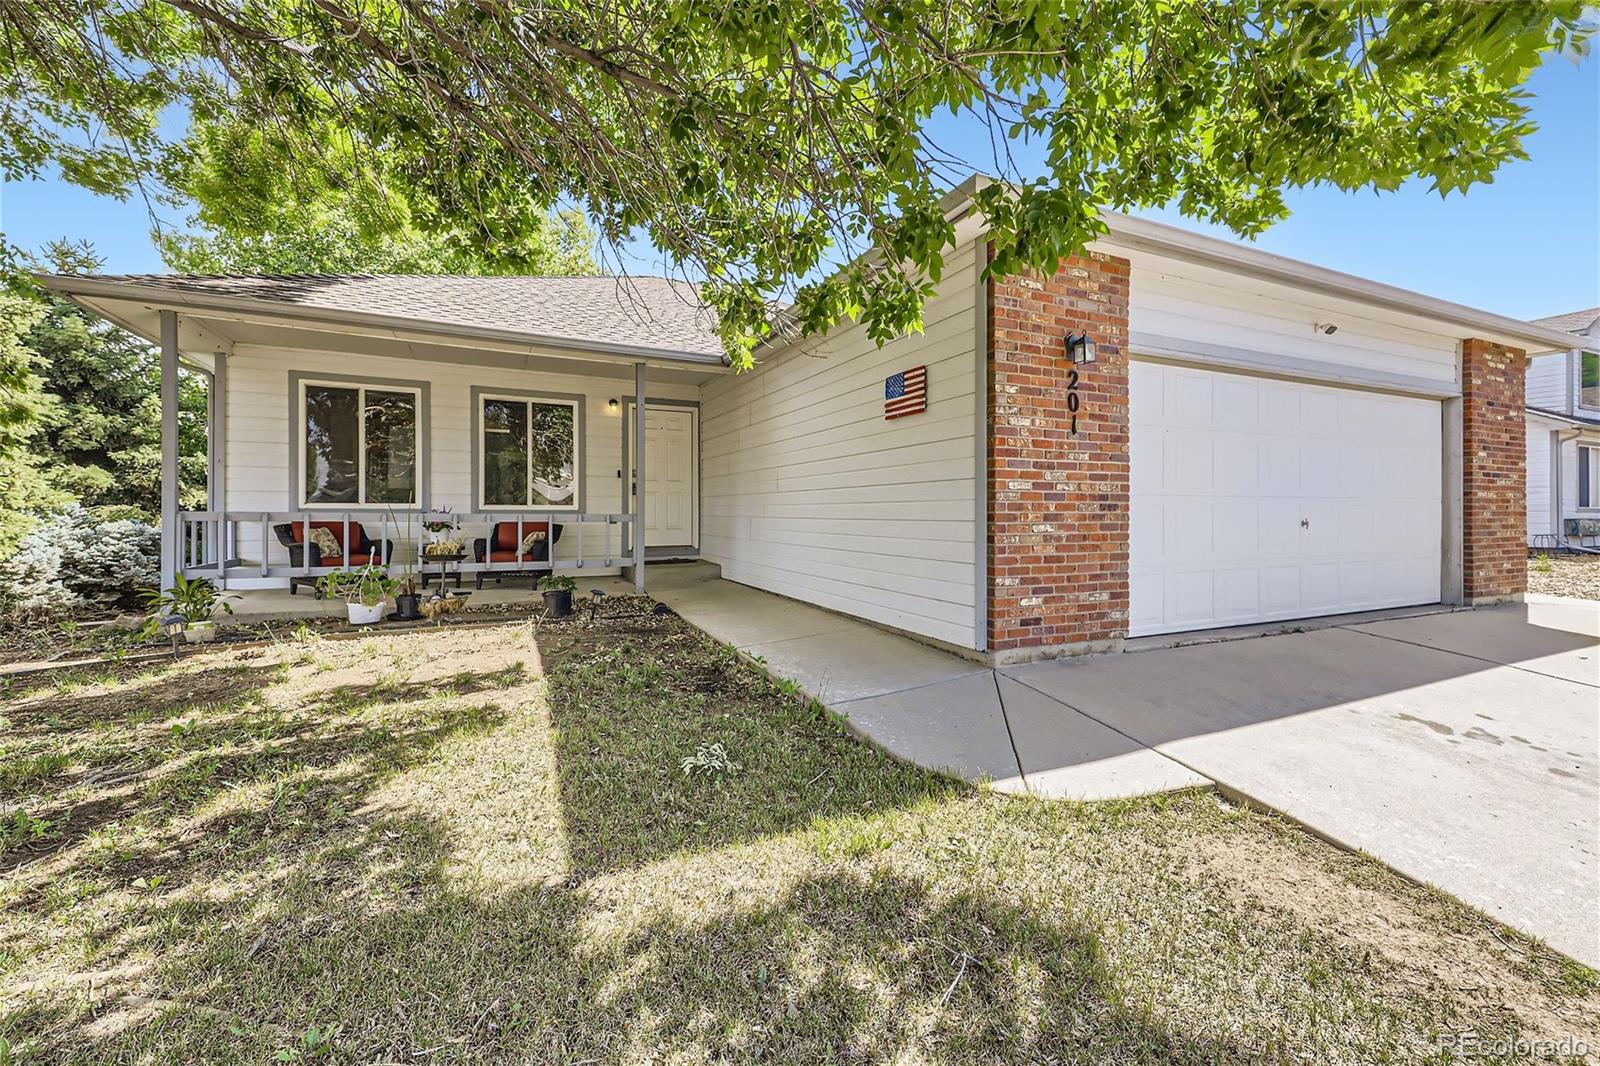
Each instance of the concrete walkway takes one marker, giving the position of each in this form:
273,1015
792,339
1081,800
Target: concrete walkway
926,706
1460,748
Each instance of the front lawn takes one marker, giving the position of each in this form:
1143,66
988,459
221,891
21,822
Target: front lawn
481,844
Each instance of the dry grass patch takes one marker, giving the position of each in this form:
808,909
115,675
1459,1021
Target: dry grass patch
484,845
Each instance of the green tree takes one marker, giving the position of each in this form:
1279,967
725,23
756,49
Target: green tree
25,491
760,144
99,433
254,216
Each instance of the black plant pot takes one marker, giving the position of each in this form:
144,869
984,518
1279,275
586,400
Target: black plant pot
558,602
405,607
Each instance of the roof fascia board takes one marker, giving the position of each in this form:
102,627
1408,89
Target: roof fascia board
1176,242
1567,420
285,313
1171,241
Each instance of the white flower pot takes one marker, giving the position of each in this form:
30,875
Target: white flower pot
362,615
200,632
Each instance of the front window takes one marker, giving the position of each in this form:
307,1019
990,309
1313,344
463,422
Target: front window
360,445
529,453
1589,380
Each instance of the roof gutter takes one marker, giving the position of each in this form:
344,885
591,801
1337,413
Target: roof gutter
73,287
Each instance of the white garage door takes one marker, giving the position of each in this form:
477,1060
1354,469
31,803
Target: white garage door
1256,500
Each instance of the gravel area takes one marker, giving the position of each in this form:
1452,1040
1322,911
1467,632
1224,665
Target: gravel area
1565,575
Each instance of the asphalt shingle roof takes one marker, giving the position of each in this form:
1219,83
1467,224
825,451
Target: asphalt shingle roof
1572,321
642,311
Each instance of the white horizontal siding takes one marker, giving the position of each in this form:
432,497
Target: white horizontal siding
260,469
1191,303
1546,386
806,491
1539,461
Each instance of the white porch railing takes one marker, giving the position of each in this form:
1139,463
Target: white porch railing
239,544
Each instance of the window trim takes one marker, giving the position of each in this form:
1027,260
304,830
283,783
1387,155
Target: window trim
579,404
298,380
1578,385
1593,487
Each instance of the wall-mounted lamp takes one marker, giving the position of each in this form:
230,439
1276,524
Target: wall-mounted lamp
612,403
1080,348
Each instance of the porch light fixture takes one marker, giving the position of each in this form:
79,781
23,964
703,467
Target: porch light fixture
612,403
1080,348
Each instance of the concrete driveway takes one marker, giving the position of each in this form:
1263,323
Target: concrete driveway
1459,748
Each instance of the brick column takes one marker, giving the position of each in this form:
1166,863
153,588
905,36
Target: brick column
1058,501
1494,541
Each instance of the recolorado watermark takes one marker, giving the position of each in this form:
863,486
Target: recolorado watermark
1468,1044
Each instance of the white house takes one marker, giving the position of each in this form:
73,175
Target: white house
1564,438
1172,432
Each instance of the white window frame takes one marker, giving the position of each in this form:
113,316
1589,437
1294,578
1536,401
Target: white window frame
1579,390
1594,478
482,397
361,388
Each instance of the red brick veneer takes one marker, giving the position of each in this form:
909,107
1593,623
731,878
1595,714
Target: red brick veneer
1494,471
1058,504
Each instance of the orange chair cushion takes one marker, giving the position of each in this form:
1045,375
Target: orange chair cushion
505,536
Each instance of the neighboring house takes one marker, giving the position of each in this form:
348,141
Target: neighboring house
1245,438
1564,438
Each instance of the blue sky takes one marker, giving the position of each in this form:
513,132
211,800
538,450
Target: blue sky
1526,245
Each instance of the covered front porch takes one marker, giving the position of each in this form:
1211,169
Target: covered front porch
340,435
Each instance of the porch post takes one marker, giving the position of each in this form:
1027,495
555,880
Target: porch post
638,478
217,460
169,448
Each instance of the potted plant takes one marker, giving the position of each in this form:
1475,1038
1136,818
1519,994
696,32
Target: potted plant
363,591
407,600
438,522
194,600
557,594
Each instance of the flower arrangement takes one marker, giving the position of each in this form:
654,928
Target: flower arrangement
446,546
438,520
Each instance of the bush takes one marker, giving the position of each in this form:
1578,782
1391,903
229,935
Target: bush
76,559
116,512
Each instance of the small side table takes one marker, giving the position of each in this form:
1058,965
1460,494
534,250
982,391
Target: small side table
443,562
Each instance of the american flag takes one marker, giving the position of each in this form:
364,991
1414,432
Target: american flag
905,393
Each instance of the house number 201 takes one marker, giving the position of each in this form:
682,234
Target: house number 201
1073,400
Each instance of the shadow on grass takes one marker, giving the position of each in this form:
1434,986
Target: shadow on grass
844,964
289,770
627,713
641,923
142,695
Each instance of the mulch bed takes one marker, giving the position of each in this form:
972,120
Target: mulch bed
117,641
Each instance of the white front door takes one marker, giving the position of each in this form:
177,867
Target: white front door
671,477
1259,500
